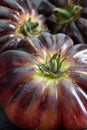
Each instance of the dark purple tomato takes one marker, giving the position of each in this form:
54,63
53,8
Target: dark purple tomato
66,16
43,83
19,19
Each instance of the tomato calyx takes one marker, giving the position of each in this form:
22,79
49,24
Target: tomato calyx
67,15
52,68
30,27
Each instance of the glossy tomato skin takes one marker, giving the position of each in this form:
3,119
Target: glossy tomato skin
12,14
33,100
75,29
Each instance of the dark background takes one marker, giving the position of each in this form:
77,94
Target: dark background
5,124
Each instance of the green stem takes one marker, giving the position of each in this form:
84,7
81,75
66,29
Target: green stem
52,67
30,28
69,2
67,15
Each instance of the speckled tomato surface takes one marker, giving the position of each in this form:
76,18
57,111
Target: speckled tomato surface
66,16
43,84
19,19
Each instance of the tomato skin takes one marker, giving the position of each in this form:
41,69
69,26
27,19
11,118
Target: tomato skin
75,29
13,14
32,99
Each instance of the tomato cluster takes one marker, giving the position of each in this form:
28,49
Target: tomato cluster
43,71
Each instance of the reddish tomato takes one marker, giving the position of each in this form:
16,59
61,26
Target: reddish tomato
43,84
19,19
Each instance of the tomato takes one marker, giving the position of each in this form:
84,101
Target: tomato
43,84
19,19
66,16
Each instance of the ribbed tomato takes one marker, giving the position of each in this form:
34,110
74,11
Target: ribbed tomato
43,84
66,16
19,19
